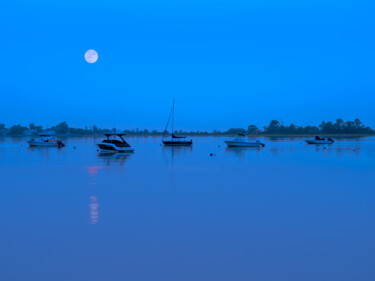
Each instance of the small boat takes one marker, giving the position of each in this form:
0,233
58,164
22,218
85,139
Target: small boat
46,140
175,140
319,140
114,145
241,141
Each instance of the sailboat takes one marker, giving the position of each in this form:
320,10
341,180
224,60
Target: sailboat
175,140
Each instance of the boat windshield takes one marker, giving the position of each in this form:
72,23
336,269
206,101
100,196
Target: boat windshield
239,138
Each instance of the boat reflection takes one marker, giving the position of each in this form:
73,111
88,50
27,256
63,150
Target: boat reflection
44,153
240,152
177,150
169,160
339,149
94,212
114,158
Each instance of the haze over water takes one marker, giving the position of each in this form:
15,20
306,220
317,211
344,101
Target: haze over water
289,211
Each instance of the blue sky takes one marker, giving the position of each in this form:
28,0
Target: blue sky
228,63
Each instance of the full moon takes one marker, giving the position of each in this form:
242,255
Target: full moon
91,56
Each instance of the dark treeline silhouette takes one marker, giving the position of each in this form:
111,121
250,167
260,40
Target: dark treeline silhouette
339,127
274,128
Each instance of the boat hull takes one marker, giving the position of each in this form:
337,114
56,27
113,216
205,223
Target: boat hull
111,148
178,143
41,143
243,144
318,142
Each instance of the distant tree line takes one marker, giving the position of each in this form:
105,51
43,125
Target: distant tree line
275,127
339,127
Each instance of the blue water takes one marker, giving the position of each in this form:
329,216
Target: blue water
289,211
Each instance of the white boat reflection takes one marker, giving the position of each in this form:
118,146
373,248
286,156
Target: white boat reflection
113,158
241,151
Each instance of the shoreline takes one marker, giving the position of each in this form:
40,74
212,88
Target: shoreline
207,135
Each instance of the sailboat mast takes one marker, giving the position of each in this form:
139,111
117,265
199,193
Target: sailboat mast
172,116
169,118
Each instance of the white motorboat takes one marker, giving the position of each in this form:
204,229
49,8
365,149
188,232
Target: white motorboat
114,145
241,141
46,140
319,140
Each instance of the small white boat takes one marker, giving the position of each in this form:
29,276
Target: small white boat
114,145
319,140
241,141
46,140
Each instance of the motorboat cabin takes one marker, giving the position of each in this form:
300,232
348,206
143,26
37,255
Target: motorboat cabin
113,144
46,140
242,141
319,140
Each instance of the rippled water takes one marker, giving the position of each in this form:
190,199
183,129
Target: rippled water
289,211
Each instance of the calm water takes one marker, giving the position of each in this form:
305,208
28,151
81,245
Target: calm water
286,212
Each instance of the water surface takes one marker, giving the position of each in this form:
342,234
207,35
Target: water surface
289,211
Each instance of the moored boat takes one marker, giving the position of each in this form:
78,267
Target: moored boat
175,140
319,140
241,141
114,145
46,140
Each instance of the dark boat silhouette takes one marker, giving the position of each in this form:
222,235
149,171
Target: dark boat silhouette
319,140
114,145
175,140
